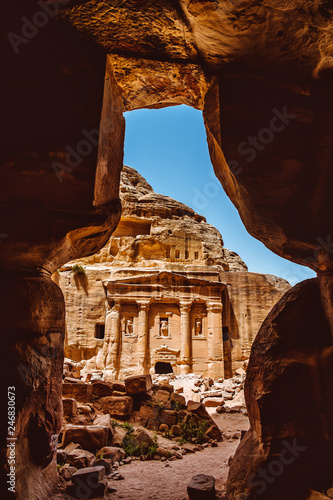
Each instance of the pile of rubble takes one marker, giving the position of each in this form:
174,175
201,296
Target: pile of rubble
107,424
223,395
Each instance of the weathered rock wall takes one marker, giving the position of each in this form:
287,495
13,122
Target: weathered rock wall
252,296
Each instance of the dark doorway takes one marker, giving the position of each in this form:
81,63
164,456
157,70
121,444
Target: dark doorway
99,331
163,368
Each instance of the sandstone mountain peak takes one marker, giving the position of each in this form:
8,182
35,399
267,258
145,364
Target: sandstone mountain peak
156,230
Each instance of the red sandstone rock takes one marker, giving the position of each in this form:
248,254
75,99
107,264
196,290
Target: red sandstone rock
90,437
118,407
138,384
102,389
116,454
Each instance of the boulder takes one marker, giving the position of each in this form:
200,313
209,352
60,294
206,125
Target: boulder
199,411
119,407
85,409
67,471
220,409
116,454
142,438
213,432
69,406
175,430
138,384
168,417
163,452
201,487
118,436
163,387
118,386
178,400
163,428
90,437
104,462
162,395
102,420
80,458
149,412
72,446
77,390
153,425
86,483
101,389
213,402
94,474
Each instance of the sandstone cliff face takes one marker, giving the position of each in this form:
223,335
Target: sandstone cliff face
156,232
252,296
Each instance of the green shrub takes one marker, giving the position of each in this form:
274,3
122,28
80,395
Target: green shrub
76,269
192,431
131,448
127,426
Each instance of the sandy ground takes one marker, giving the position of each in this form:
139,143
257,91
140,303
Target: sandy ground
155,480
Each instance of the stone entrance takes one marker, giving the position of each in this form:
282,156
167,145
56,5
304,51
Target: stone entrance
162,368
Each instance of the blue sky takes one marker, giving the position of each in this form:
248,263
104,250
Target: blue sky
168,147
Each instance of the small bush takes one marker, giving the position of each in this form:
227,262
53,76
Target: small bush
131,448
129,445
79,270
127,426
192,431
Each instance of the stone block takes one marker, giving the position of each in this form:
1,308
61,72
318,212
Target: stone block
202,487
101,389
168,417
142,438
118,407
153,425
67,471
175,430
80,391
116,454
178,400
213,402
162,396
90,437
80,458
149,412
138,384
118,436
69,407
213,432
104,462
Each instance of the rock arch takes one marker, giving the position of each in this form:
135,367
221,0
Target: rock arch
253,68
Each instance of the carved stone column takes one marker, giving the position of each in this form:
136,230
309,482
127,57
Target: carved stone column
113,339
185,338
215,340
143,338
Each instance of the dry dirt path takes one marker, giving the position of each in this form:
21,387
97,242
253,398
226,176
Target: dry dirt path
155,480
